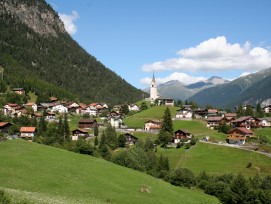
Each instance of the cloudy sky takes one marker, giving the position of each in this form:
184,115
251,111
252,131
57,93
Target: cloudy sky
185,40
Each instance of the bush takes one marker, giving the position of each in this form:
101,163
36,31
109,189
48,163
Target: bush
4,199
182,177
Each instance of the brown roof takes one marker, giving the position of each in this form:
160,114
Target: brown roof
30,104
242,129
3,124
243,118
28,129
230,114
153,121
81,130
218,118
87,121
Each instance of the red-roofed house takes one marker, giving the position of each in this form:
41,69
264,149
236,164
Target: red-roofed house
239,135
28,132
242,131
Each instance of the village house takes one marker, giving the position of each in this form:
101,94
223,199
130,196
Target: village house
166,101
115,121
87,123
50,116
213,122
242,131
79,134
53,99
228,117
28,132
246,121
265,122
236,139
32,105
19,91
133,107
81,109
12,110
37,116
130,139
267,109
46,106
185,113
4,126
91,111
59,109
152,125
181,135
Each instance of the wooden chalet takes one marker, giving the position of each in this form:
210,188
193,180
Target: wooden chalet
247,122
19,91
130,139
242,132
213,122
87,123
79,134
180,135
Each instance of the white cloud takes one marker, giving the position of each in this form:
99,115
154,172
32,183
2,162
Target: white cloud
182,77
215,54
68,21
245,74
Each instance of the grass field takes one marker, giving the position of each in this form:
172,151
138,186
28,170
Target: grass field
263,131
43,174
215,159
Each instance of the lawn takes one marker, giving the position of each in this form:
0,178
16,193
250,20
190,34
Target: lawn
263,131
43,174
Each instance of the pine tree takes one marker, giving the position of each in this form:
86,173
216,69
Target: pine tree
167,125
66,128
103,140
96,141
259,111
42,124
96,130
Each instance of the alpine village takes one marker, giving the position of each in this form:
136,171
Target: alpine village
73,131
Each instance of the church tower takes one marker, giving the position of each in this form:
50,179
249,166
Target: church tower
153,89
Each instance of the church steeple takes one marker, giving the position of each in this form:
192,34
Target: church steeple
153,78
153,89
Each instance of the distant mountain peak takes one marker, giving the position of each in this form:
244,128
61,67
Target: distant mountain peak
217,80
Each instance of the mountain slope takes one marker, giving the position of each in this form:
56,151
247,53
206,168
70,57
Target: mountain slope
46,172
251,89
36,50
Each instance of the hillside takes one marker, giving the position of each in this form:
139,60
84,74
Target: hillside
40,56
250,89
43,174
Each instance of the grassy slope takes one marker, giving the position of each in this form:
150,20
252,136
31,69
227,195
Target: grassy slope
40,172
215,159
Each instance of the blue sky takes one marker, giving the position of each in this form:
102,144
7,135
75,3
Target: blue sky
186,40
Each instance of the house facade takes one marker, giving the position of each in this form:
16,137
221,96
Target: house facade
79,134
152,125
185,113
28,132
87,123
4,126
247,122
213,122
133,107
181,135
130,139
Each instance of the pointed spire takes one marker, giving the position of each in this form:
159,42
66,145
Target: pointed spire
153,78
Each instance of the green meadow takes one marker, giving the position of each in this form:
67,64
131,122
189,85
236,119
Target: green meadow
35,173
217,160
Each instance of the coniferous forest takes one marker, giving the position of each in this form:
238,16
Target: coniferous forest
52,63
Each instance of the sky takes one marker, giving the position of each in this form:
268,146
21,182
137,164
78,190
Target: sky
185,40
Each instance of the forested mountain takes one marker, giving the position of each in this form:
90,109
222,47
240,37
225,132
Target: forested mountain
39,55
250,89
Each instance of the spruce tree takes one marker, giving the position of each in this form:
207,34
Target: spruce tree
167,125
96,141
96,130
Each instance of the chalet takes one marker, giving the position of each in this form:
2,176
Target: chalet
19,91
185,113
59,109
79,133
28,132
4,126
265,122
200,113
115,121
87,123
246,121
239,135
72,107
267,109
166,101
130,139
11,109
152,125
37,116
50,116
236,139
228,117
180,135
241,131
212,112
213,122
91,110
133,107
81,109
46,106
